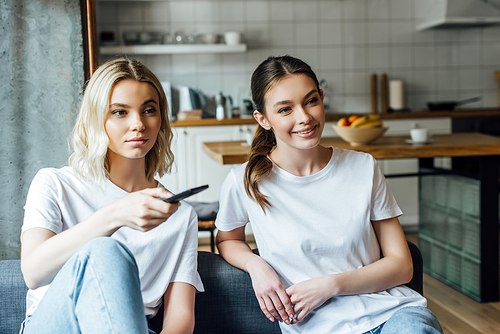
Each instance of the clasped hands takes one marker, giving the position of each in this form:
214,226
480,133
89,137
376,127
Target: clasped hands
290,305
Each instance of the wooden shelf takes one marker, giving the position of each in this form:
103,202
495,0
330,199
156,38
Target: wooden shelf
158,49
427,114
443,113
336,117
214,121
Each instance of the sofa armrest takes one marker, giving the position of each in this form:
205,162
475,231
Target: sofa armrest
417,282
12,296
228,304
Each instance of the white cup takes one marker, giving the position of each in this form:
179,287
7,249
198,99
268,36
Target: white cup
232,37
419,135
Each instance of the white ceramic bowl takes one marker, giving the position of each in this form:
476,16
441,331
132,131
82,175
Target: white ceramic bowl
359,136
210,38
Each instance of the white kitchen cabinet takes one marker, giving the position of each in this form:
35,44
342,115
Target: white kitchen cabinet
193,167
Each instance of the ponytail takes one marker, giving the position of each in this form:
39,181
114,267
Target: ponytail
259,165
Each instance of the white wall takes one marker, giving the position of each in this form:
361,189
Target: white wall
344,41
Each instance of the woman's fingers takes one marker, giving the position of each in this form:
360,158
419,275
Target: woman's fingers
263,308
287,303
272,306
160,205
277,309
143,210
269,307
307,296
301,310
157,193
273,299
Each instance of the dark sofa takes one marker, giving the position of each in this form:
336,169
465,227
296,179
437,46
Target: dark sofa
228,304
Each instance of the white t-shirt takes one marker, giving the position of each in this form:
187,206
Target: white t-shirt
58,199
320,225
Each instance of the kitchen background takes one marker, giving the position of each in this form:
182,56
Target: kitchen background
41,64
344,42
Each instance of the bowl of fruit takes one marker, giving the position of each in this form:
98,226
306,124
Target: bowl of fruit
360,130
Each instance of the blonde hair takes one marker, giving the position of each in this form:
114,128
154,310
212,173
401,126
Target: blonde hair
264,78
89,139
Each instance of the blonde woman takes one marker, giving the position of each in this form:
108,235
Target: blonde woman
320,216
100,250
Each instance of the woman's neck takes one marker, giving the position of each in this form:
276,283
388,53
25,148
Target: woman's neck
130,174
302,162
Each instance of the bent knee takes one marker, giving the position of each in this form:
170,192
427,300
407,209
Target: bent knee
413,319
106,247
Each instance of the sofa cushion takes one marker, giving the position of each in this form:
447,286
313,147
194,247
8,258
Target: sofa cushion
12,297
228,304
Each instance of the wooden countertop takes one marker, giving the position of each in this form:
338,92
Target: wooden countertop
386,147
336,117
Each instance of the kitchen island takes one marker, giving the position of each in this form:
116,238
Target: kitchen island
194,167
386,147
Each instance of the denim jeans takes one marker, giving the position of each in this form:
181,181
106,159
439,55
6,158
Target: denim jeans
96,291
410,320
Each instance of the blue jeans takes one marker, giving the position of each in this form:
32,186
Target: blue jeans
410,320
96,291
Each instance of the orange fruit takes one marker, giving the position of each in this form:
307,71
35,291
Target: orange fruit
352,118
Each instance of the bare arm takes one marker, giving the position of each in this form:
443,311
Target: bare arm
394,269
234,249
272,298
43,252
178,317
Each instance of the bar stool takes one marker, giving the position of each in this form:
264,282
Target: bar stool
206,211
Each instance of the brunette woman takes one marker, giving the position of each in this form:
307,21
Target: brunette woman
320,216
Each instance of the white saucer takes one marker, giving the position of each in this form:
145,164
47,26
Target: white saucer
409,141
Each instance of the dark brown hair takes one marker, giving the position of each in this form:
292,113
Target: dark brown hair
264,78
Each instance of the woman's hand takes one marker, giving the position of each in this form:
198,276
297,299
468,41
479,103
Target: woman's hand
394,269
273,299
142,210
43,252
308,295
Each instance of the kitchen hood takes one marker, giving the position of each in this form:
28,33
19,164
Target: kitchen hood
458,14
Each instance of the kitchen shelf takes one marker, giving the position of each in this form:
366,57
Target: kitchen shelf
159,49
442,113
213,121
336,117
